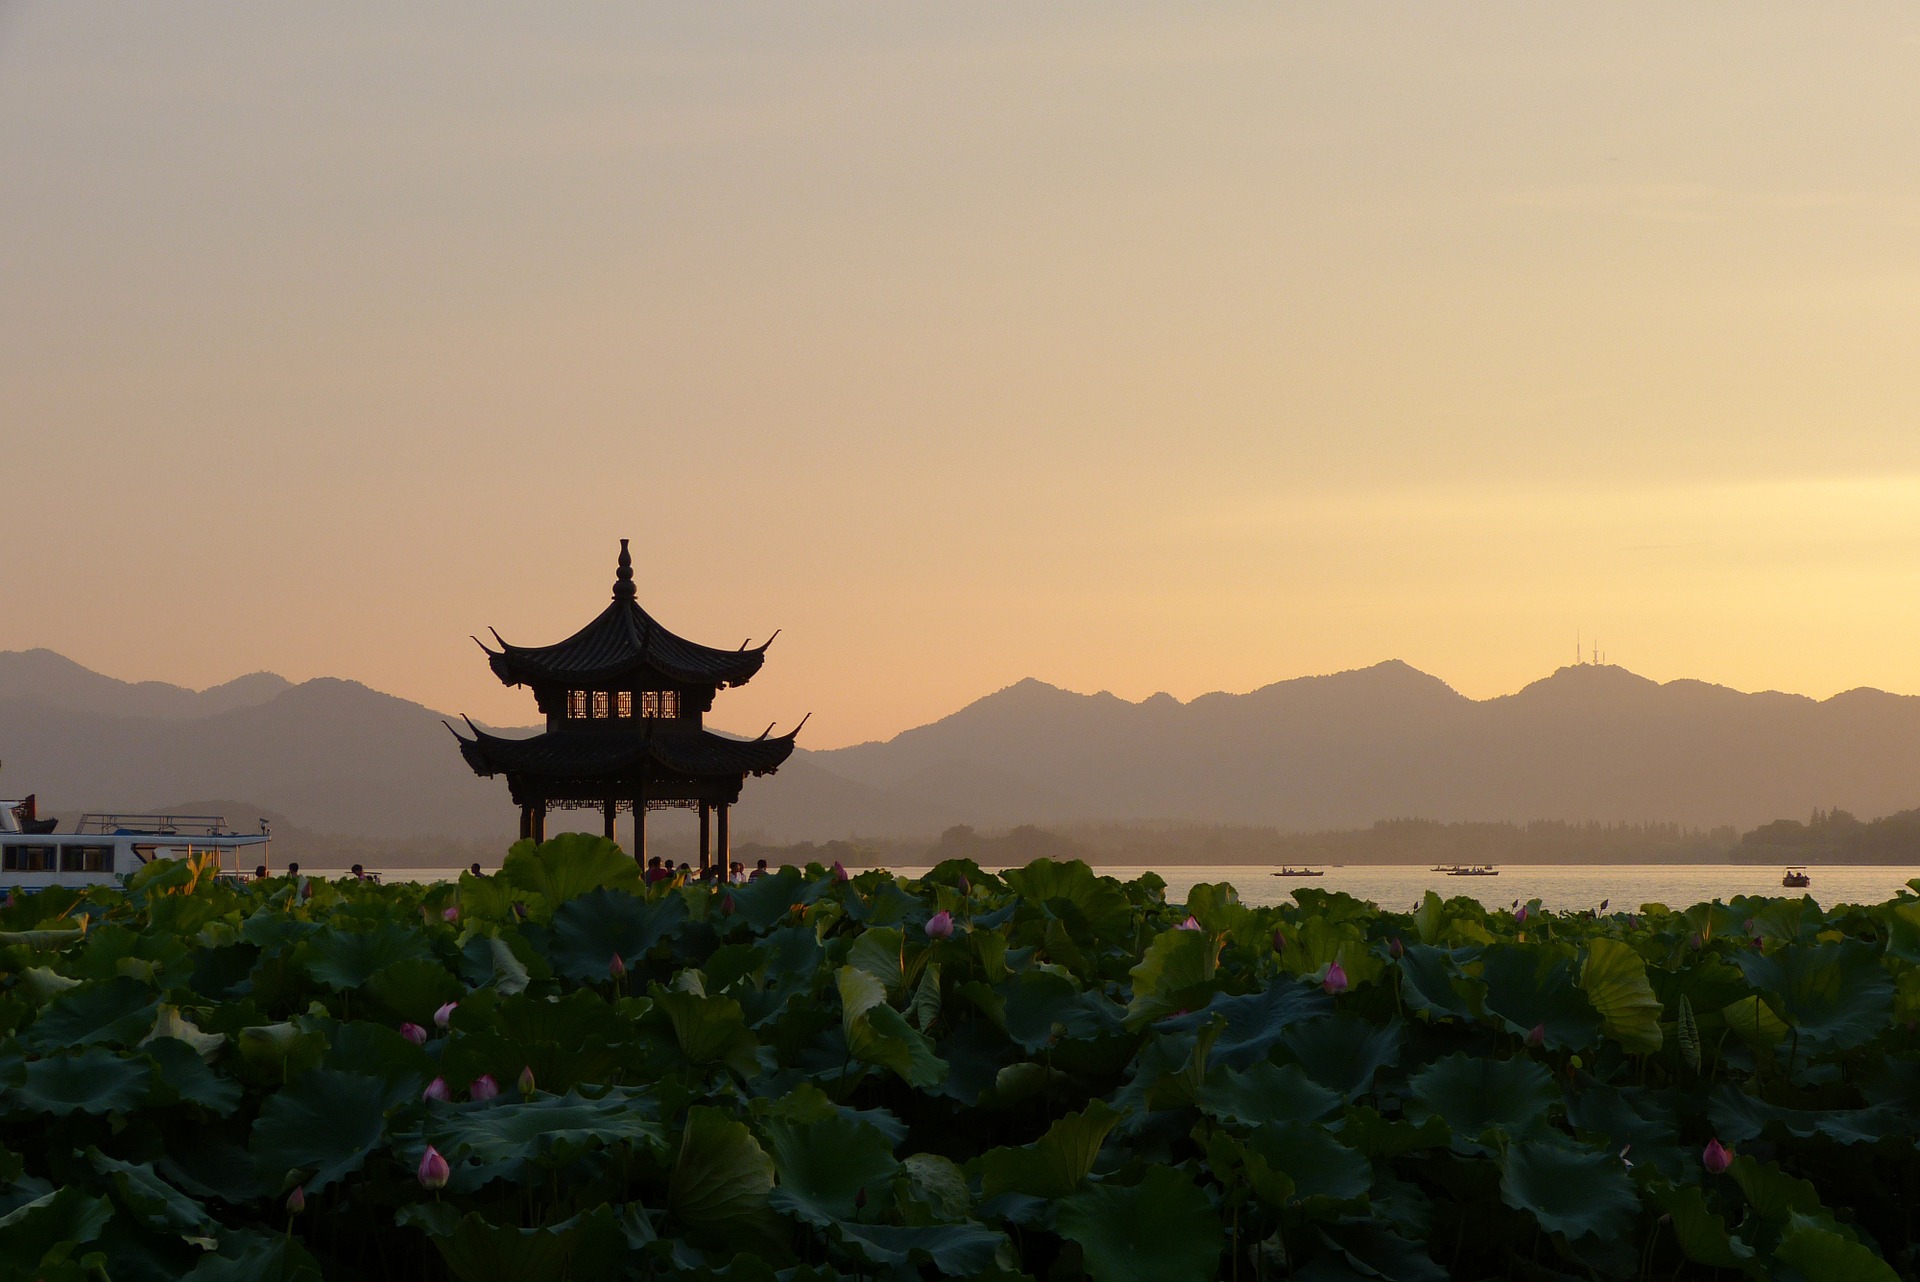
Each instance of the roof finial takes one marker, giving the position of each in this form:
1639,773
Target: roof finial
623,578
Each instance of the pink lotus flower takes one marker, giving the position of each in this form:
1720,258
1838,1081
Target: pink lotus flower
525,1084
434,1172
484,1087
437,1090
1188,924
726,905
1520,914
1279,941
1537,1035
1336,980
616,969
940,925
297,1200
839,871
414,1033
444,1016
1715,1158
450,913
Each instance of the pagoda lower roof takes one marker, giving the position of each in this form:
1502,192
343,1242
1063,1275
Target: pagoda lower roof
606,751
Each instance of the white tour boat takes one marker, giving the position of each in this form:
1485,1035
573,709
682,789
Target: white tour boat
105,849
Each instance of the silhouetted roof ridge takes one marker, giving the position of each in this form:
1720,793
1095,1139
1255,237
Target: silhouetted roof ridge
600,750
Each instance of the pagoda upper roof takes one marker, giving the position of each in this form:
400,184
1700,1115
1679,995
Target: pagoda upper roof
623,642
604,751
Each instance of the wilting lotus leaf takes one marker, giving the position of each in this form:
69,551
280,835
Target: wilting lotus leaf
151,1199
720,1186
1574,1191
710,1030
41,985
1530,986
326,1122
1814,1247
824,1165
1252,1024
1162,1229
595,926
93,1081
1615,980
412,990
1318,1164
1175,973
938,1182
183,1072
51,1226
1343,1053
1702,1234
1266,1093
1834,994
246,1256
1054,1165
878,1034
346,959
567,866
957,1250
116,1011
1478,1095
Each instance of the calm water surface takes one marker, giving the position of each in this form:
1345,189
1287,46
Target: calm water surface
1561,887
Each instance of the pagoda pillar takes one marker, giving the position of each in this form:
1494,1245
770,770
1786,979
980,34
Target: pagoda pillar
607,812
640,831
540,822
526,822
723,853
706,845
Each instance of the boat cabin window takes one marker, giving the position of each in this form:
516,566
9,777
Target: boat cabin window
27,859
86,859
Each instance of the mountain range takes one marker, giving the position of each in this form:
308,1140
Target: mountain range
1589,742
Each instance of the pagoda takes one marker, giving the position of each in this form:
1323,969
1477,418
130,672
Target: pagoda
624,700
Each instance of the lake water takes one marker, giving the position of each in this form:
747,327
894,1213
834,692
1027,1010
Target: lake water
1557,886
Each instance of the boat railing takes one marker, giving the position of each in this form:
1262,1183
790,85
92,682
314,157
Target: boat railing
156,825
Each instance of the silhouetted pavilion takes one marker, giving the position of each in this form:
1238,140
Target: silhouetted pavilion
624,700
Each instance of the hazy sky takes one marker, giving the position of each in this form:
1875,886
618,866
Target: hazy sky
1133,347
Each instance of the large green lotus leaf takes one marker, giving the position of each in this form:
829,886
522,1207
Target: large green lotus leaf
1702,1234
1252,1024
1054,1165
1630,1116
595,926
566,1041
1318,1164
1041,1006
589,1245
247,1256
116,1011
807,1103
1176,973
1099,901
1343,1053
569,865
1615,981
1430,981
1531,986
721,1181
764,901
50,1226
881,953
1373,1250
938,1182
93,1081
152,1200
1372,1135
710,1030
1813,1247
379,1051
1572,1191
490,961
52,939
1477,1095
1773,1194
1266,1093
824,1165
325,1123
546,1131
1754,1019
1738,1116
487,899
191,1080
40,985
344,960
786,966
957,1250
1838,995
410,991
878,1034
1162,1229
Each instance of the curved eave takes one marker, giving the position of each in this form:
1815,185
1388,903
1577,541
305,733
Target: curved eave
587,753
623,642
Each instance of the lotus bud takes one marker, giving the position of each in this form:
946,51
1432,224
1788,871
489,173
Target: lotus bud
1715,1158
450,913
1752,927
839,871
1396,949
1695,942
434,1172
1188,924
966,887
297,1200
484,1087
616,969
726,906
1520,914
414,1033
1537,1035
1279,941
525,1084
1336,980
444,1016
860,1198
940,925
1754,943
437,1090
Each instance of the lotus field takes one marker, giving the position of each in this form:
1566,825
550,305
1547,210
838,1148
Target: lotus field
552,1072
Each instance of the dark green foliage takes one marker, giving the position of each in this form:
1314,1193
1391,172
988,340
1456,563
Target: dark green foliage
809,1087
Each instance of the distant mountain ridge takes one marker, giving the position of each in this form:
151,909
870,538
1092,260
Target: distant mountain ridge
1337,751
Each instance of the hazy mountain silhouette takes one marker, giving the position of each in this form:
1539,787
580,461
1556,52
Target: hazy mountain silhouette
1338,751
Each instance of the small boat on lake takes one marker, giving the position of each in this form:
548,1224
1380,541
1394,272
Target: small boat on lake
104,849
1796,877
1473,870
1290,871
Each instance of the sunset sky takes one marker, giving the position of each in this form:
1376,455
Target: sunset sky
1130,347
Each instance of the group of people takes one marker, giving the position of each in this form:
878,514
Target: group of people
736,873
